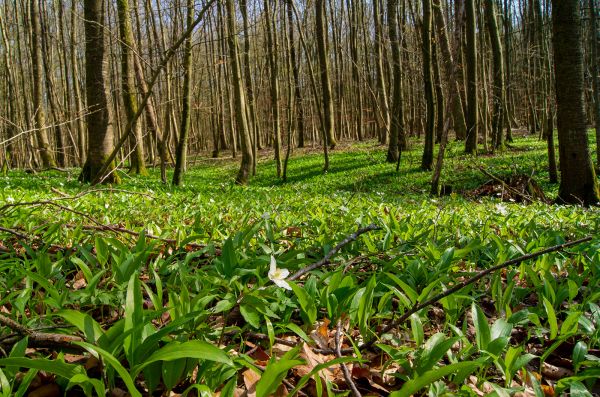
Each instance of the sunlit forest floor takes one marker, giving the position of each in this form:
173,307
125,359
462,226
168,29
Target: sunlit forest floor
172,288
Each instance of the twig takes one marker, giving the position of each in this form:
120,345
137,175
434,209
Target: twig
507,186
64,196
327,258
470,281
347,375
14,233
38,339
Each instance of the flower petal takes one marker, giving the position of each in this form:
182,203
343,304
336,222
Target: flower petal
282,284
283,273
272,267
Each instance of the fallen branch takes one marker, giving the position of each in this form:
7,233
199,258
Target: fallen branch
338,351
327,258
38,339
14,233
66,197
470,281
517,193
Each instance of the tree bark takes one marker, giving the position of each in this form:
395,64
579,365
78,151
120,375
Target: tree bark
397,136
239,98
274,80
129,92
182,144
498,76
38,87
578,180
595,69
427,159
471,61
328,115
99,117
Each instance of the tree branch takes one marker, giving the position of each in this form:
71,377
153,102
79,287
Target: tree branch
327,258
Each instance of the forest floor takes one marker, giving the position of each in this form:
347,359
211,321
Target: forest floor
354,281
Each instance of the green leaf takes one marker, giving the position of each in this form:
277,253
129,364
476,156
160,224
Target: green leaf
570,325
273,375
191,349
4,385
55,367
134,317
365,305
307,304
552,322
435,348
408,290
113,362
417,329
84,323
172,372
250,314
579,352
414,385
482,328
578,389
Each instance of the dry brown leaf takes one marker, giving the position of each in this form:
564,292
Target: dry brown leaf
260,355
51,390
553,372
80,281
312,360
323,329
251,378
116,392
548,391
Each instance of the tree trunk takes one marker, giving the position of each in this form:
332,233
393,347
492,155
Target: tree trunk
578,180
595,69
498,76
99,117
239,97
182,144
138,165
471,61
397,126
38,87
274,80
427,159
296,73
328,115
381,87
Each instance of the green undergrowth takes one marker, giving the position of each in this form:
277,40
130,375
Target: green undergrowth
194,314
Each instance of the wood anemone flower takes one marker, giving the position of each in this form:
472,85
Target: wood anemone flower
278,276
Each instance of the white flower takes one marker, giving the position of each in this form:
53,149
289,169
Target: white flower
9,199
501,208
278,275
